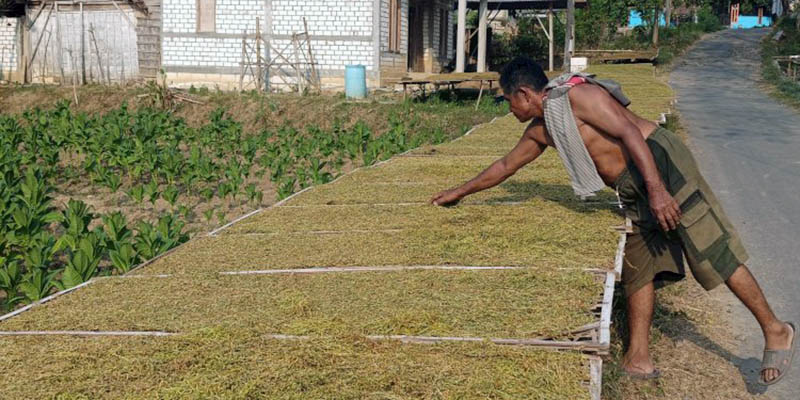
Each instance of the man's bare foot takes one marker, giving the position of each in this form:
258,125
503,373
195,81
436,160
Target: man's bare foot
779,338
638,365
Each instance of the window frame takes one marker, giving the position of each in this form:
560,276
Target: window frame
444,24
200,16
395,25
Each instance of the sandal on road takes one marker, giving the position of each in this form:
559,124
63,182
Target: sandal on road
643,376
780,360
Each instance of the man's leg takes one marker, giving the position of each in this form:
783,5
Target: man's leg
777,334
640,316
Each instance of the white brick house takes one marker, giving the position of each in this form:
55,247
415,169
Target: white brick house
202,39
9,38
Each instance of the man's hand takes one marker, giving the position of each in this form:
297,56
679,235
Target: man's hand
446,198
664,208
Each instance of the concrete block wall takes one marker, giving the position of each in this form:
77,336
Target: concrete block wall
180,16
341,31
432,32
351,18
9,47
186,50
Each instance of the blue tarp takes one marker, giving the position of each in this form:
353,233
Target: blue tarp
635,19
751,21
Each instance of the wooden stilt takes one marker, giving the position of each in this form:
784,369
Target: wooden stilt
97,52
83,47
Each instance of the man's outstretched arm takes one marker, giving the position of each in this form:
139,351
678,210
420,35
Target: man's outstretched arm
526,150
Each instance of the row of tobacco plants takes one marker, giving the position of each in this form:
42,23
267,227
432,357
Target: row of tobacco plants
149,154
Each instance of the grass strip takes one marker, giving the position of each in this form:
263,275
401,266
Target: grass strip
217,363
549,245
535,214
498,303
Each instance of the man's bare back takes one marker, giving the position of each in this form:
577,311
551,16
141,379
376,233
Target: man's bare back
607,152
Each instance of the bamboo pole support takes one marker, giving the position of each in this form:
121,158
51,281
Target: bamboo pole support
259,68
569,38
59,46
83,47
314,74
243,66
296,45
97,52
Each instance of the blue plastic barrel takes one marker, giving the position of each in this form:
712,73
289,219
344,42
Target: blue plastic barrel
355,81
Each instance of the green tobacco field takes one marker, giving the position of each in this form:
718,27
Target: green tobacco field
225,330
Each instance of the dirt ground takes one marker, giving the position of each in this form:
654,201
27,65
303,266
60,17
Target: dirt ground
690,343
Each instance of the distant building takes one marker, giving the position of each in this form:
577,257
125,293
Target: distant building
200,41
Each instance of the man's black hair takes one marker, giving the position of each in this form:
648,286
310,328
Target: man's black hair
522,71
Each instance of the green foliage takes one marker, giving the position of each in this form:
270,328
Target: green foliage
789,45
149,153
136,193
83,263
124,257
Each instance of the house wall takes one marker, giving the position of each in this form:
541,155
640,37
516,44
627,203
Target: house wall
341,32
9,42
148,39
394,65
432,31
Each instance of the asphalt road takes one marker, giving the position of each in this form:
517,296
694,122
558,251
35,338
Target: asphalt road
748,148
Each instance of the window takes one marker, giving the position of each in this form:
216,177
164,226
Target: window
444,19
206,15
395,13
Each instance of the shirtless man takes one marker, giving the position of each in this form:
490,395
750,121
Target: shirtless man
673,210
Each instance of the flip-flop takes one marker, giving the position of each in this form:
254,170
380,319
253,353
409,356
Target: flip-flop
780,360
642,376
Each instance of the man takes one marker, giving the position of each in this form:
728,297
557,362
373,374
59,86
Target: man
672,208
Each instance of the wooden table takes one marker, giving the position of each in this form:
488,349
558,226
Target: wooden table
451,80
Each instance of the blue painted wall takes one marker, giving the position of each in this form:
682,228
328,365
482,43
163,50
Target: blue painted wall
751,21
635,19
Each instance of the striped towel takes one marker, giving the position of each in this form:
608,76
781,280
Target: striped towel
564,130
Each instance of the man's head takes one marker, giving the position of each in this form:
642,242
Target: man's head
523,83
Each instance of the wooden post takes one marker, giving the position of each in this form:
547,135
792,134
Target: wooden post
296,45
258,54
59,46
461,35
568,35
82,48
668,12
25,50
483,22
551,47
314,75
655,26
244,60
97,53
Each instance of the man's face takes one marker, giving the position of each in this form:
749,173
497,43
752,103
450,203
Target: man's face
526,104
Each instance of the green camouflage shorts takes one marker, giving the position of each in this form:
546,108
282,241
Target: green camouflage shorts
704,236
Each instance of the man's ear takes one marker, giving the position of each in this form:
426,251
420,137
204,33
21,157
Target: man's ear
527,93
